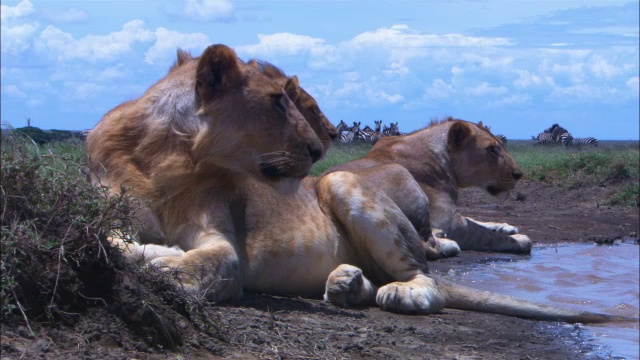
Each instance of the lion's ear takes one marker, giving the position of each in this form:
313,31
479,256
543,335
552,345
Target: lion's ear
292,88
459,134
218,69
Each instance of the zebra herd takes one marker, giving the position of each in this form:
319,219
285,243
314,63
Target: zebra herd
353,134
556,134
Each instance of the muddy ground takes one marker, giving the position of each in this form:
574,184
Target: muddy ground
273,327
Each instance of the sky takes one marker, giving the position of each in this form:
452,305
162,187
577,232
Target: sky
518,66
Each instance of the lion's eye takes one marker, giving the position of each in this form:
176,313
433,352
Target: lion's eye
279,101
493,149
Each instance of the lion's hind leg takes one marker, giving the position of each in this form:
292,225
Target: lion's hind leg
437,246
498,227
419,295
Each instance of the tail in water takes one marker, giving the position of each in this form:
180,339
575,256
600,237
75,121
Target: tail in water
466,298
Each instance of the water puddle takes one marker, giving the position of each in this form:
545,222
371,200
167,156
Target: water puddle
581,276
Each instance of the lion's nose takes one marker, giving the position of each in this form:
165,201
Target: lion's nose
517,174
333,133
315,152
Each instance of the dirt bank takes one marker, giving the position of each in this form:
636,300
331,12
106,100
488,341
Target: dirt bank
272,327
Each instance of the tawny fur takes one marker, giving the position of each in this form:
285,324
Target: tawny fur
230,226
441,158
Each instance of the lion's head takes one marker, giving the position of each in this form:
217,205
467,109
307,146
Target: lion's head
480,159
249,117
209,113
305,103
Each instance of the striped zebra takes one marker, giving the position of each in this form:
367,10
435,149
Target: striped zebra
366,135
556,132
502,138
568,140
544,138
378,134
84,134
392,130
587,141
352,135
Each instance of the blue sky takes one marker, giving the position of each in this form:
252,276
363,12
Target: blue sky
519,66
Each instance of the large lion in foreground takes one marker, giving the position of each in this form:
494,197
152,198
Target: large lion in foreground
441,158
219,149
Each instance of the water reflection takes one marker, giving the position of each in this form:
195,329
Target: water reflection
581,276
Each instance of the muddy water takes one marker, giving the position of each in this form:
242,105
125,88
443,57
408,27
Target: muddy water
582,276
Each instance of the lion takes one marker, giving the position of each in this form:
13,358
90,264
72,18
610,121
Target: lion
254,221
443,157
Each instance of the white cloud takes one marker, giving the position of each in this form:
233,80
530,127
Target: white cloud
485,89
439,89
66,16
284,44
400,36
168,41
23,9
63,46
587,92
526,79
391,99
511,100
18,38
13,91
601,68
207,10
397,69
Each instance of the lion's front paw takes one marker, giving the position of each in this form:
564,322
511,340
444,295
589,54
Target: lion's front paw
347,286
185,278
417,296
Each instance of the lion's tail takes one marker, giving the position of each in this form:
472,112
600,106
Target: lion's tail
466,298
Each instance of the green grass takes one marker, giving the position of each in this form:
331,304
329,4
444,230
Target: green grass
601,165
338,154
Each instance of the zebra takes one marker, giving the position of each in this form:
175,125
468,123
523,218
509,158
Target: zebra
556,132
349,137
366,135
378,134
342,127
502,138
392,130
568,140
587,141
84,134
544,138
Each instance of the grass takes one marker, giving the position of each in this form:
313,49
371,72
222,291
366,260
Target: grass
340,153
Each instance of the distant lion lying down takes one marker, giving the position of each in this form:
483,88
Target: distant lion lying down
220,150
436,161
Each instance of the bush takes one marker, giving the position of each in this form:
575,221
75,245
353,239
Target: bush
56,259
